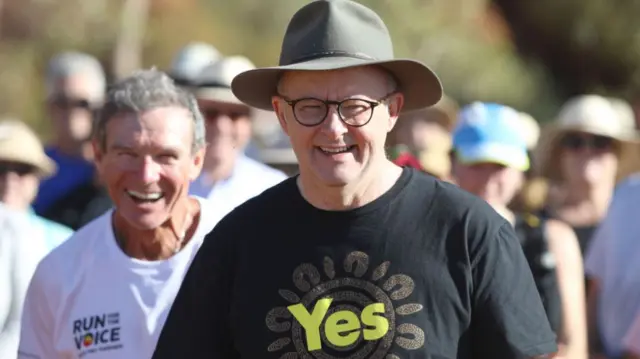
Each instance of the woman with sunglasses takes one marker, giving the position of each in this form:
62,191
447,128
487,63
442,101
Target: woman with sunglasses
584,154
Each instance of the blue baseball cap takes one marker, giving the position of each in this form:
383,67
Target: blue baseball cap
490,133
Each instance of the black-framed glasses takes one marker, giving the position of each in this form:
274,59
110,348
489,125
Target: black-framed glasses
354,112
575,141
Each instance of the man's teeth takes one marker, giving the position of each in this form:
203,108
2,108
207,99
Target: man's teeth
335,149
145,196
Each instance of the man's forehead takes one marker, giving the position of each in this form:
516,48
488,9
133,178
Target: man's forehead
173,123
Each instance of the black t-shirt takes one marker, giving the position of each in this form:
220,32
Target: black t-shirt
424,271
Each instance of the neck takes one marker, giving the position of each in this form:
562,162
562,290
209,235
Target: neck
339,198
162,242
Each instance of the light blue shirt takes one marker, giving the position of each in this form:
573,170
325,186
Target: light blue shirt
249,179
52,233
612,259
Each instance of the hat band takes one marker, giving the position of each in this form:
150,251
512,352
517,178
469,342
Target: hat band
318,55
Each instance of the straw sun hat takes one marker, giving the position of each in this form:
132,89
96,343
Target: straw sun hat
595,115
18,143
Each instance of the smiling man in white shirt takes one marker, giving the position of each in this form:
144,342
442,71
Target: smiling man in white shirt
106,292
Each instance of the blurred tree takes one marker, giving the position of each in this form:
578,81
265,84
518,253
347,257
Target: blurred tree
585,45
465,41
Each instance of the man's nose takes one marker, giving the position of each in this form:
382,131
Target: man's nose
150,170
332,125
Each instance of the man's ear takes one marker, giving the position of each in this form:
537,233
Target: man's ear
279,108
98,154
396,103
197,163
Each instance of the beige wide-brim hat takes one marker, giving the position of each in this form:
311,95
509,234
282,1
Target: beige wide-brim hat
331,35
214,81
18,143
594,115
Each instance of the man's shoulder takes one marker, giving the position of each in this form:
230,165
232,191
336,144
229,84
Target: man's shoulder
448,201
70,255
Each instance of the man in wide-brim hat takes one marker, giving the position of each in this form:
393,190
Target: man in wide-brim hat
355,257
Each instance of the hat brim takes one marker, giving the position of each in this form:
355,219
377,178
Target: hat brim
218,94
45,167
549,167
501,155
418,83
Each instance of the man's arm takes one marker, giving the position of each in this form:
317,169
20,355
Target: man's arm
509,320
198,324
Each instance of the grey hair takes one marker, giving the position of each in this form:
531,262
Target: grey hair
72,63
146,90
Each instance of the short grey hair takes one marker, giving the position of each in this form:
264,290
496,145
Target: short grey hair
142,91
71,63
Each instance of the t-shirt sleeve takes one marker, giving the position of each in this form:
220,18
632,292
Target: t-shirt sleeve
198,323
508,319
36,332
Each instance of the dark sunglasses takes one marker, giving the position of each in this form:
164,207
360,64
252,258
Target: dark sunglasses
20,169
212,114
71,103
577,142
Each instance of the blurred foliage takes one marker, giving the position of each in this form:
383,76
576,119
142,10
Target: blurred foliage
466,42
588,46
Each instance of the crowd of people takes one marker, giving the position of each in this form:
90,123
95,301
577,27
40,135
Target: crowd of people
338,205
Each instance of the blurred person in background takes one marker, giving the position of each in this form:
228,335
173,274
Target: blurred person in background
583,154
75,84
612,265
274,146
23,165
186,68
426,134
490,159
533,195
418,130
228,176
105,292
189,62
20,252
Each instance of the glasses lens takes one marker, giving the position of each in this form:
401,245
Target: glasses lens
355,112
310,111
